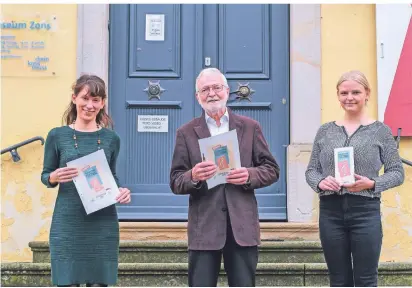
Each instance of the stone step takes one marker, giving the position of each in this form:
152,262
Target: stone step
176,252
177,231
175,274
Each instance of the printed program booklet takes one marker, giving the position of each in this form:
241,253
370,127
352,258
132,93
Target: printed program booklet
95,182
344,165
223,150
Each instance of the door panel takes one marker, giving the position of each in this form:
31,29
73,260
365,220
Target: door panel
244,45
252,51
159,81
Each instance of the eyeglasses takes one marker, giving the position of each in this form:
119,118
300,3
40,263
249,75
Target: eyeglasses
206,90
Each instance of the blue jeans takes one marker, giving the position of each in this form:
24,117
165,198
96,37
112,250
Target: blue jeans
351,235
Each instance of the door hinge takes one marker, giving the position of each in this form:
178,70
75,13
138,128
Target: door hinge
108,25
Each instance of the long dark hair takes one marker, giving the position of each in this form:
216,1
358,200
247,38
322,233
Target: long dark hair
96,87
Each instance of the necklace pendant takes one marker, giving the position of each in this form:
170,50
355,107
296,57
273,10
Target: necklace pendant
75,138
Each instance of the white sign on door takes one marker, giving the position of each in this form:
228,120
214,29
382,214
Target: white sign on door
155,27
152,123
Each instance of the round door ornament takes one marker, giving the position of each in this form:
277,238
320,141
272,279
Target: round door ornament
154,90
244,92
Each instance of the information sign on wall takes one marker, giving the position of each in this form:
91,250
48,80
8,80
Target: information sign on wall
27,44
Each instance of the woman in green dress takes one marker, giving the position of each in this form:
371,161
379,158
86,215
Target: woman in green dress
84,248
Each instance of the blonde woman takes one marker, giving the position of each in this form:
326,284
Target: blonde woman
349,215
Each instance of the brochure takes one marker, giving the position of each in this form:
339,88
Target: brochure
223,150
344,165
95,182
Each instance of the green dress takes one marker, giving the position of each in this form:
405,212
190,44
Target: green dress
84,248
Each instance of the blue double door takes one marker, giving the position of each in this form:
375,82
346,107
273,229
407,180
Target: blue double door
156,53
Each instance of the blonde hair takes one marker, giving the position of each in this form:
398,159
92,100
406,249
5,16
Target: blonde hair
356,76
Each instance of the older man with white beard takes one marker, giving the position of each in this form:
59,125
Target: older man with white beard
224,219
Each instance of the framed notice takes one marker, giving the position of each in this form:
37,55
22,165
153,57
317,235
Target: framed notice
155,27
95,182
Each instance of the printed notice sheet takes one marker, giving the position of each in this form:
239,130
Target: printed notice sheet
95,182
223,150
344,165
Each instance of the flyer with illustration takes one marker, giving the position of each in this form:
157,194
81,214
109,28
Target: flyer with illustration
344,165
95,182
223,150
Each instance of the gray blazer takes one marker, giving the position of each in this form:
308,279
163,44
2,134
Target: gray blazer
208,208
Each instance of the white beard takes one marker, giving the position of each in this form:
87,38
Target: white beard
215,108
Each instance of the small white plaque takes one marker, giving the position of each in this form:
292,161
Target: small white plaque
155,27
152,123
